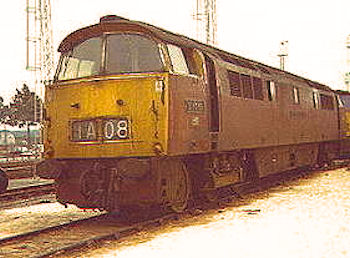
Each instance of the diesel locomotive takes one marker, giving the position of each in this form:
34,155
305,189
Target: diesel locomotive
138,116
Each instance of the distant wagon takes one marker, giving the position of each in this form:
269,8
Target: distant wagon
7,138
7,142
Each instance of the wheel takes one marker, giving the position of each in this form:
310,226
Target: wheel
212,196
3,181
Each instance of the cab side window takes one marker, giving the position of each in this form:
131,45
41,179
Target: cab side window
199,62
194,61
186,61
178,60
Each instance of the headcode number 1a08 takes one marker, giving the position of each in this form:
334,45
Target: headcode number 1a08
110,128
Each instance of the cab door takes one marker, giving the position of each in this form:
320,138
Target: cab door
214,115
188,102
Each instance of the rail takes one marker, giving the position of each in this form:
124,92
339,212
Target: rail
29,194
72,236
18,158
19,169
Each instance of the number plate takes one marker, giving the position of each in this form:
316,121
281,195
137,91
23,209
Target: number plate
84,131
115,129
110,129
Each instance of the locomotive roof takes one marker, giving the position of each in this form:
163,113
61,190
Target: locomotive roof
113,23
342,92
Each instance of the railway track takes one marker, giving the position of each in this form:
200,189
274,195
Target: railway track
29,194
71,237
19,169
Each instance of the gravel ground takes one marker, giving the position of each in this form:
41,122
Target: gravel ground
20,220
308,217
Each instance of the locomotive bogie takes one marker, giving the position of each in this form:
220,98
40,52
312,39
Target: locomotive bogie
114,184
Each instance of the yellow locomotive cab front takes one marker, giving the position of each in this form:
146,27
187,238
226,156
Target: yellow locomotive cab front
120,113
108,118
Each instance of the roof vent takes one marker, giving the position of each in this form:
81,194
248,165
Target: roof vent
111,18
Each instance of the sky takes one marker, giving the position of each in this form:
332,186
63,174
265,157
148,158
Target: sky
316,32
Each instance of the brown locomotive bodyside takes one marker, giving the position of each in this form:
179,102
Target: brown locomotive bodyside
284,132
296,128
